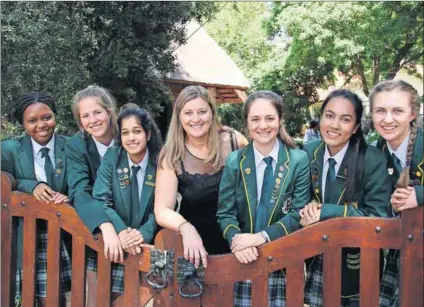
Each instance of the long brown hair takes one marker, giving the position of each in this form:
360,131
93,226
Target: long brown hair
402,86
277,102
174,149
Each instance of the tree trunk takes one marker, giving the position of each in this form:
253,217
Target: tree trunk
360,67
376,76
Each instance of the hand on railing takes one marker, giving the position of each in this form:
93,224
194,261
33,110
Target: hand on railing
112,245
404,198
310,214
44,193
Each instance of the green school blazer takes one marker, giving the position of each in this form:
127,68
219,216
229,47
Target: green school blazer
83,160
416,169
238,196
371,198
17,159
113,193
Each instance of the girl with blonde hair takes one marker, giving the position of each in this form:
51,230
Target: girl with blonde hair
395,110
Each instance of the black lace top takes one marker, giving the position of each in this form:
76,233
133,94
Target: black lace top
198,184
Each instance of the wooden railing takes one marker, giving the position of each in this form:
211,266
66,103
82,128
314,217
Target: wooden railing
369,234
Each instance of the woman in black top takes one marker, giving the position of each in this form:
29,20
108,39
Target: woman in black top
191,163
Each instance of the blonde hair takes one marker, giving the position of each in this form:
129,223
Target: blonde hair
277,102
105,100
402,86
174,149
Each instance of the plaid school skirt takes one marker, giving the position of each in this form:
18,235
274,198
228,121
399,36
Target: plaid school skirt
117,273
314,284
389,287
276,292
41,269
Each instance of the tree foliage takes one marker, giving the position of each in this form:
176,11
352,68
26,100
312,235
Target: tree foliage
61,47
301,45
370,41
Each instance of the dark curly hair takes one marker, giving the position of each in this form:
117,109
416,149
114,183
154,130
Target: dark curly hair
30,98
146,121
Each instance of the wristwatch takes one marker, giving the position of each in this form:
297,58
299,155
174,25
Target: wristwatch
265,236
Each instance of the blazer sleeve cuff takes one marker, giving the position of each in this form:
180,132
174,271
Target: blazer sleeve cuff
119,225
230,232
333,210
277,230
419,193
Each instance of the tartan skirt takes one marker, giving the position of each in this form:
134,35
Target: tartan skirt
314,285
276,292
41,268
117,273
389,287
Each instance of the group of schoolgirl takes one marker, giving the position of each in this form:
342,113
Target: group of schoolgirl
122,183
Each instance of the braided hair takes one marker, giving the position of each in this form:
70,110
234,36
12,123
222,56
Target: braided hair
399,85
30,98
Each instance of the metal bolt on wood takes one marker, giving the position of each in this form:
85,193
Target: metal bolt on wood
378,229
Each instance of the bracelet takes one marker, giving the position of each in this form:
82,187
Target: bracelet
179,227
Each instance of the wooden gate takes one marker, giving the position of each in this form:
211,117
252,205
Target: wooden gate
370,234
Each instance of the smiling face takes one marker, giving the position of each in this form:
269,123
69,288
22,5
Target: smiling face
338,123
95,119
134,138
196,118
39,122
263,123
392,115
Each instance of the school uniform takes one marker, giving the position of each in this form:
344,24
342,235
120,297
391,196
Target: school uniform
113,191
389,287
371,198
83,159
240,201
25,160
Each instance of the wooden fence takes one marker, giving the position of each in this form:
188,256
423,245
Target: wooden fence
369,234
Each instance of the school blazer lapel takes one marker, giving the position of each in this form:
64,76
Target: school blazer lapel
248,174
280,182
316,171
123,181
59,172
26,159
148,188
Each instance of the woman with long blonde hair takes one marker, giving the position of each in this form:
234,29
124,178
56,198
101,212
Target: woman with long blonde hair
191,163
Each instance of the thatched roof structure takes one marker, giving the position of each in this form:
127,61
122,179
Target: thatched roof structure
201,61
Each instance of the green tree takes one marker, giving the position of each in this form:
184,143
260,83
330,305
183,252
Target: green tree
370,41
61,47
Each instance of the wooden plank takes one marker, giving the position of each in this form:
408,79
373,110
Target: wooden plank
411,258
28,263
78,272
260,291
104,283
225,294
295,284
370,273
332,278
8,245
241,94
131,282
53,264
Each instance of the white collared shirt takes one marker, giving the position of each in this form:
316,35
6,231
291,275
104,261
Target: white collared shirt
400,152
261,165
141,173
338,157
40,173
102,148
